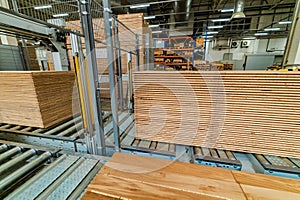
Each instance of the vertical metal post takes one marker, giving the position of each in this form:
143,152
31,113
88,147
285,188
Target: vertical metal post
119,64
110,60
26,54
292,50
98,146
147,51
137,49
130,84
15,5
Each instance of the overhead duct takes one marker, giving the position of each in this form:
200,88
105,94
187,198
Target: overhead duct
238,12
188,9
182,7
179,7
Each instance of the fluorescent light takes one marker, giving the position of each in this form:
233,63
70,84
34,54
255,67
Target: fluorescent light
156,31
211,32
153,25
249,38
140,6
207,36
212,27
261,34
285,22
149,17
61,15
221,20
42,7
271,29
227,10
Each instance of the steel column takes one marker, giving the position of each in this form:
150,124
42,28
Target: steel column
147,37
292,50
110,59
130,83
137,49
119,64
98,146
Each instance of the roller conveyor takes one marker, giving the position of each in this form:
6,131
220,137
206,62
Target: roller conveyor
30,172
69,135
279,166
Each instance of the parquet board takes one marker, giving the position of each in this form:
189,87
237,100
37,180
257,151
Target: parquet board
37,99
128,176
249,111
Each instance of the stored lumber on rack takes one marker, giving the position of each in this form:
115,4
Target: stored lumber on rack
37,99
128,176
248,111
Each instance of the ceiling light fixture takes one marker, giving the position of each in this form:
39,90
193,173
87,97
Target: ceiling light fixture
271,29
285,22
261,34
42,7
221,20
140,6
249,38
61,15
156,31
227,10
153,25
212,27
211,32
150,17
207,36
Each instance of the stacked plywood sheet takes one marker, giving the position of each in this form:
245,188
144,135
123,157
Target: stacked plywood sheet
135,177
134,22
250,111
37,99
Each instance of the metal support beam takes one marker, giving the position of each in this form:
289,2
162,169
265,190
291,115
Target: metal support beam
130,82
119,64
147,37
292,50
95,144
110,58
137,49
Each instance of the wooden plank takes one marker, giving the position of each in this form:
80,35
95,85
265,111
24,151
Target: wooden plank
111,187
259,186
136,177
37,99
232,110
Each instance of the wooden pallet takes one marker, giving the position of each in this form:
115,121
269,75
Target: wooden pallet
37,99
253,112
136,177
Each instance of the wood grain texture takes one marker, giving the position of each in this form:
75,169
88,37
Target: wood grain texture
37,99
248,111
260,186
135,177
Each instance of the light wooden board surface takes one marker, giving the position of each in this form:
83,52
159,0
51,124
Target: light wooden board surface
37,99
249,111
134,177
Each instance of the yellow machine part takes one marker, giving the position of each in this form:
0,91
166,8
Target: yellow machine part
79,81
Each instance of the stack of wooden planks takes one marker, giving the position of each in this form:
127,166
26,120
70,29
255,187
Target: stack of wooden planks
248,111
136,23
37,99
135,177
